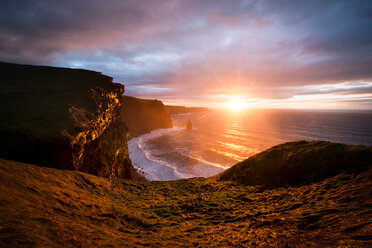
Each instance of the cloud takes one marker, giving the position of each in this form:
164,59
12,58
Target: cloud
195,47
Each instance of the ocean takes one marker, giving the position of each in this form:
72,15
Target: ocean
220,139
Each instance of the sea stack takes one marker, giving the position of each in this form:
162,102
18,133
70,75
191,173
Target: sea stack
189,125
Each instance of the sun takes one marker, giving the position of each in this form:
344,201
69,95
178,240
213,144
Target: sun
236,104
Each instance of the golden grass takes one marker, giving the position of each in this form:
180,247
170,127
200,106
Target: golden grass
45,207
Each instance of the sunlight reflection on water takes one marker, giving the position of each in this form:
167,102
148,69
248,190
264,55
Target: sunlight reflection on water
220,140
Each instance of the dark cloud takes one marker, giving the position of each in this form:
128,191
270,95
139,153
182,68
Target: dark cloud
183,47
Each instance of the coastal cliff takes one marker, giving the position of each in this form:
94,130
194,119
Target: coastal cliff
63,118
142,115
182,109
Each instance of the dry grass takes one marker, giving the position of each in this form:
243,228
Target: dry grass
44,207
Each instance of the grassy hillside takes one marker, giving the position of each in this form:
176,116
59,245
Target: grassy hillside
45,207
299,163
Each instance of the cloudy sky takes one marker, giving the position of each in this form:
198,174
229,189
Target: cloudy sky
275,54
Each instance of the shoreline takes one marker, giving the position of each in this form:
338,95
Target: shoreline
158,170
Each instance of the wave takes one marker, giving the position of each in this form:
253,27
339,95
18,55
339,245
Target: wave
205,162
145,161
149,166
181,114
237,158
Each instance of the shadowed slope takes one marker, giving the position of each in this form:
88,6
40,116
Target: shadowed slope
299,163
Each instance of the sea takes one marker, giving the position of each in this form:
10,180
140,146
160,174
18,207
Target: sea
219,139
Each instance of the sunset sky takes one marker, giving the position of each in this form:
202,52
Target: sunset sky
271,54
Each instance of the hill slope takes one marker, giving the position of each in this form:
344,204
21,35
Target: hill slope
56,208
299,163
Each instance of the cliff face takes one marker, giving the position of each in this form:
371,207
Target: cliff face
63,118
142,116
182,109
299,163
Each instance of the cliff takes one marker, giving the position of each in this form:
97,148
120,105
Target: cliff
142,116
74,209
63,118
299,163
182,109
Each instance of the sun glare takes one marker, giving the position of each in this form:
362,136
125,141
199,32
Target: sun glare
236,104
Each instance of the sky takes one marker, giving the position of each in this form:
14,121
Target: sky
265,54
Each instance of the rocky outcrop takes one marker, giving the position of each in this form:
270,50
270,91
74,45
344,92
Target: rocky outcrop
299,163
142,116
182,109
63,118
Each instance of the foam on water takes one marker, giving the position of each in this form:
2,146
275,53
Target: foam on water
145,161
147,164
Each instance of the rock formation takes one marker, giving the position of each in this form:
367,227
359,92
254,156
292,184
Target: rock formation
142,116
63,118
299,163
189,125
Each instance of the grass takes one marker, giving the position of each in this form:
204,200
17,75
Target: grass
300,163
45,207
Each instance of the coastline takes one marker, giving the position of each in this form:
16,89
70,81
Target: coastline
309,193
150,167
155,169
